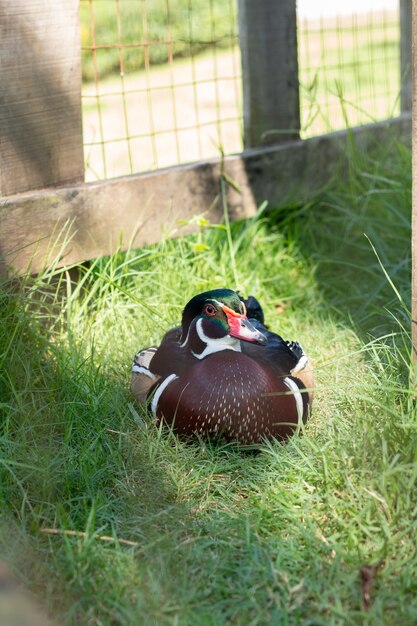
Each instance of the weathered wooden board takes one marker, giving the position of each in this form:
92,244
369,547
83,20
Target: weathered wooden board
406,20
145,206
268,44
40,103
414,195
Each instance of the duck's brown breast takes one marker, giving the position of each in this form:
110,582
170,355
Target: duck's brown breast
230,393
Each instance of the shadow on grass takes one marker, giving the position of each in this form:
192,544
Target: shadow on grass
72,459
357,231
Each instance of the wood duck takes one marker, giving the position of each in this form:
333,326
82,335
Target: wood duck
223,372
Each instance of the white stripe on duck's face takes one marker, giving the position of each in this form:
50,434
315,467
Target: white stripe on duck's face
213,344
207,337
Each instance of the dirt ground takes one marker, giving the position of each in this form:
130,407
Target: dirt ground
179,113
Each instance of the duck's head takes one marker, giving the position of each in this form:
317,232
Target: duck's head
216,320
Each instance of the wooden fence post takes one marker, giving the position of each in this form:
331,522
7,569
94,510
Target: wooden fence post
40,105
414,188
268,41
405,55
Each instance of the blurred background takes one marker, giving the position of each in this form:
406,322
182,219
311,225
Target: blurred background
162,78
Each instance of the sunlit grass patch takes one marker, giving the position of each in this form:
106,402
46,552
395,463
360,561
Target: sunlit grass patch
152,529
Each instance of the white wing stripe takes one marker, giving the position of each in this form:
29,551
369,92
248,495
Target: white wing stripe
160,390
302,363
137,369
292,385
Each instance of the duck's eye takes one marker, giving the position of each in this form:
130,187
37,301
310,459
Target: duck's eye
209,310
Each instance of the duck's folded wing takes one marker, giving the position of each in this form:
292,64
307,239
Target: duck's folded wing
142,376
150,364
283,357
276,354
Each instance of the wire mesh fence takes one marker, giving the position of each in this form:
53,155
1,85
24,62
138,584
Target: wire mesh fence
349,68
162,78
161,83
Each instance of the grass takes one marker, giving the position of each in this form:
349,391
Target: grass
220,535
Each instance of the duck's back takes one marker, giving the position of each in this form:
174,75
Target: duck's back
230,393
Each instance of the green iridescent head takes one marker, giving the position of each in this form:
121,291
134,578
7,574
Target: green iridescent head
223,313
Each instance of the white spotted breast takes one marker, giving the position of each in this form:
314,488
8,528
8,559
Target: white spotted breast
232,394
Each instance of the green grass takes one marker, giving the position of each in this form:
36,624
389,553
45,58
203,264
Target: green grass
222,535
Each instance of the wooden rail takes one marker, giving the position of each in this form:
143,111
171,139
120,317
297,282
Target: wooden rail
143,207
